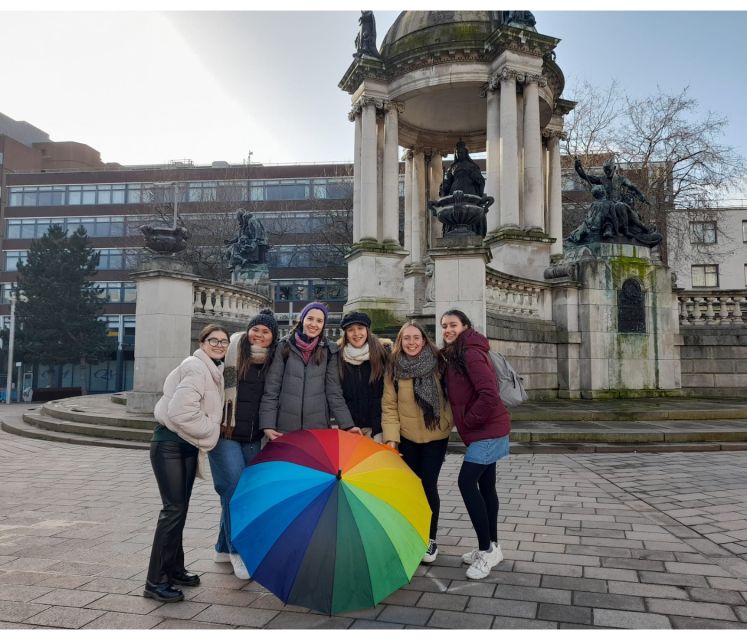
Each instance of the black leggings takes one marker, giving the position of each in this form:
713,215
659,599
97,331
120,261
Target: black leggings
426,459
175,467
477,486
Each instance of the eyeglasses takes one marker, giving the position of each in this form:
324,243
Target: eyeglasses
214,342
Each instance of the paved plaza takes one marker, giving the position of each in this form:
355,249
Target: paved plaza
629,540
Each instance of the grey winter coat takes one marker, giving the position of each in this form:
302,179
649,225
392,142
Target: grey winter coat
299,396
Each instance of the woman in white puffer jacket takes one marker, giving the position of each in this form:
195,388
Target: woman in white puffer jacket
189,416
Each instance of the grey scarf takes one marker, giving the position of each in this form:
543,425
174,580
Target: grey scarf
422,370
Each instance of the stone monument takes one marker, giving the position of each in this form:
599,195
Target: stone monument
246,254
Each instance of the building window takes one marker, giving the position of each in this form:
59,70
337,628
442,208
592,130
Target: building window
305,290
704,275
12,258
117,292
744,230
703,232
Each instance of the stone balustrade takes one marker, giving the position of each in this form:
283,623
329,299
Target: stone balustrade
516,297
214,300
718,307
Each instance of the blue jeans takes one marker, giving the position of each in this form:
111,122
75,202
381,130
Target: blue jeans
227,460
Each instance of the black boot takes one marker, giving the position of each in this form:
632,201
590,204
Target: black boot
163,592
185,579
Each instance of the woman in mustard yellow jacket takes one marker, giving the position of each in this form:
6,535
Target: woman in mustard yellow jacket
415,416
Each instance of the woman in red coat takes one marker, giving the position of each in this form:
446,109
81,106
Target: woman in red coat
484,425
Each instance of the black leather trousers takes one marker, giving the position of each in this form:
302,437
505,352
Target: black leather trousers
175,466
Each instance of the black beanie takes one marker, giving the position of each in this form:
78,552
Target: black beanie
267,318
355,317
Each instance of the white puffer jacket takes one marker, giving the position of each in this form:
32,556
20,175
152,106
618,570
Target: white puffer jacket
192,402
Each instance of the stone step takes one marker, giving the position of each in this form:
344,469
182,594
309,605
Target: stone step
518,448
17,427
543,413
77,410
42,421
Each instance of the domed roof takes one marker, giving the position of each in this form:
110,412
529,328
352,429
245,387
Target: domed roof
415,31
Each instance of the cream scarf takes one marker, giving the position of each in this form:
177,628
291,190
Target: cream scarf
355,355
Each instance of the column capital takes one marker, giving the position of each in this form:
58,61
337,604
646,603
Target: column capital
409,154
558,134
535,78
388,105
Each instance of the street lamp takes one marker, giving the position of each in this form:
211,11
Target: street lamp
11,341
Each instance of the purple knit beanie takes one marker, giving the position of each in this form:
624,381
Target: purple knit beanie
314,305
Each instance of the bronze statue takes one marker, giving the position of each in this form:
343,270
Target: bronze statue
621,194
250,246
601,221
520,19
365,41
463,174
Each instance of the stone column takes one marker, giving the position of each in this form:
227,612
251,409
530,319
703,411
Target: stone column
355,116
163,324
493,159
418,207
390,195
509,160
408,201
369,176
435,178
533,192
554,196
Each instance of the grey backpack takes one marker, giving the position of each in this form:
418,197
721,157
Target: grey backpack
509,383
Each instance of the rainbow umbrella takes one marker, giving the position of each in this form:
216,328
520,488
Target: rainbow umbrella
330,520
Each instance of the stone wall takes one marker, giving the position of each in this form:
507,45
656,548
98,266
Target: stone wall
714,360
531,346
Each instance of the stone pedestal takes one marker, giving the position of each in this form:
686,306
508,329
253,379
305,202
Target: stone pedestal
618,346
372,270
520,252
163,328
459,274
256,274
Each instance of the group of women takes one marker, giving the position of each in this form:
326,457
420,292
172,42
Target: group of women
233,391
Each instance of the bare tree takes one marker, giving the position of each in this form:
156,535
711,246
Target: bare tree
668,148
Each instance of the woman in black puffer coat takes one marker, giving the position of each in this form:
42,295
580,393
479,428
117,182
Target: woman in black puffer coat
247,362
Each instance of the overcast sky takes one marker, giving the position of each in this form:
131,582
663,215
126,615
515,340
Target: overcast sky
150,87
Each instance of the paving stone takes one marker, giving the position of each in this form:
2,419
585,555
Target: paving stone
503,622
375,624
629,619
742,613
405,615
116,620
69,597
716,595
234,597
534,594
11,611
403,597
682,622
596,550
173,623
236,616
545,568
21,593
448,601
681,579
472,588
696,569
290,620
126,604
574,584
608,601
454,620
735,584
647,590
694,609
64,617
21,577
517,578
603,573
564,613
498,606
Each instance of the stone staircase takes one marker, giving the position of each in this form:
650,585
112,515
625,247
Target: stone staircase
555,426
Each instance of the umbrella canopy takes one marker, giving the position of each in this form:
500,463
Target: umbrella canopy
330,520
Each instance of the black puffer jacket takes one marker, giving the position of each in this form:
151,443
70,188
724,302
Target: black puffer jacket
248,398
362,397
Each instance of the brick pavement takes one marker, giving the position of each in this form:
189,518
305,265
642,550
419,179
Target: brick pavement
607,541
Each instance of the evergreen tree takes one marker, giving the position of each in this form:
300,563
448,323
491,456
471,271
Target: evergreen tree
58,303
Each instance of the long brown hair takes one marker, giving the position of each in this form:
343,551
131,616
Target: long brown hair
208,329
397,349
377,355
454,352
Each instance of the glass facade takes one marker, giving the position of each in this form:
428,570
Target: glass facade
96,227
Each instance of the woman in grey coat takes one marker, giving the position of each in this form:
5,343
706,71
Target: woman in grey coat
302,387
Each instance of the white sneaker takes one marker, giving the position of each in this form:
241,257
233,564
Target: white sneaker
484,561
471,556
239,568
219,556
431,553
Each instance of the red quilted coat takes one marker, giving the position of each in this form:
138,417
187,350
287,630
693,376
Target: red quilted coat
478,411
